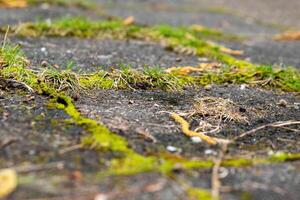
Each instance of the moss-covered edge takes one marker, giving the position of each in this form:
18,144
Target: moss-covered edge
184,39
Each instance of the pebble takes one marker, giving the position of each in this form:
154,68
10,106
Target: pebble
243,87
178,59
44,63
101,197
207,87
282,103
43,49
210,152
196,140
172,149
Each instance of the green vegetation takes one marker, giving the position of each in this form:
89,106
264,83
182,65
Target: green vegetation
192,39
199,194
56,84
86,4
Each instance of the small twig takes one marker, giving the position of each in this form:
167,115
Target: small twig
274,125
21,83
145,134
215,180
5,37
71,148
185,129
8,142
41,167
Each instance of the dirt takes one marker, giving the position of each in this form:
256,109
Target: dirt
38,133
126,111
92,55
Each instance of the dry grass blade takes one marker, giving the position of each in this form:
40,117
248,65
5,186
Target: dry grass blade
291,35
217,108
185,129
274,125
215,179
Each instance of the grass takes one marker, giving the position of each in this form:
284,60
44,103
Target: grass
85,4
184,39
287,79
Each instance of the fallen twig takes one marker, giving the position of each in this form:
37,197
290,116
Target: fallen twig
71,148
274,125
215,180
185,129
8,142
41,167
22,84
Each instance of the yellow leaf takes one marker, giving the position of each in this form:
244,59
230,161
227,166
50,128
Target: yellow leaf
190,69
13,3
231,51
291,35
197,27
8,182
128,21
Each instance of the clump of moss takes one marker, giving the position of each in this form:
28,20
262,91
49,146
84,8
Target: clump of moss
85,4
199,193
234,70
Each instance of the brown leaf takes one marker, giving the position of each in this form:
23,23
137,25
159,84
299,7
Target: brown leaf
191,69
129,20
231,51
8,182
13,3
290,35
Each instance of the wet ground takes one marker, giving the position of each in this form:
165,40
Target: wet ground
39,141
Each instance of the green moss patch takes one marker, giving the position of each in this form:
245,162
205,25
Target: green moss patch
85,4
185,39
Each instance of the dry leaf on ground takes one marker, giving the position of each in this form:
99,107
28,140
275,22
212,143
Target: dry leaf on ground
8,182
291,35
13,3
191,69
129,20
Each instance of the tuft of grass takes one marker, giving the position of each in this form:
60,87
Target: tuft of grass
85,4
14,65
192,40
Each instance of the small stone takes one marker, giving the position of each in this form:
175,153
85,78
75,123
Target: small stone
178,59
207,87
243,87
282,103
243,110
56,66
44,63
203,59
43,49
131,102
210,152
172,148
101,197
196,140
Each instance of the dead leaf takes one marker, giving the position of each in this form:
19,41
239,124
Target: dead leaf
145,134
155,187
290,35
129,20
8,182
191,69
231,51
183,70
197,27
13,3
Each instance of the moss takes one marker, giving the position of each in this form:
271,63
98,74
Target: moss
86,4
199,194
100,136
234,70
283,157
